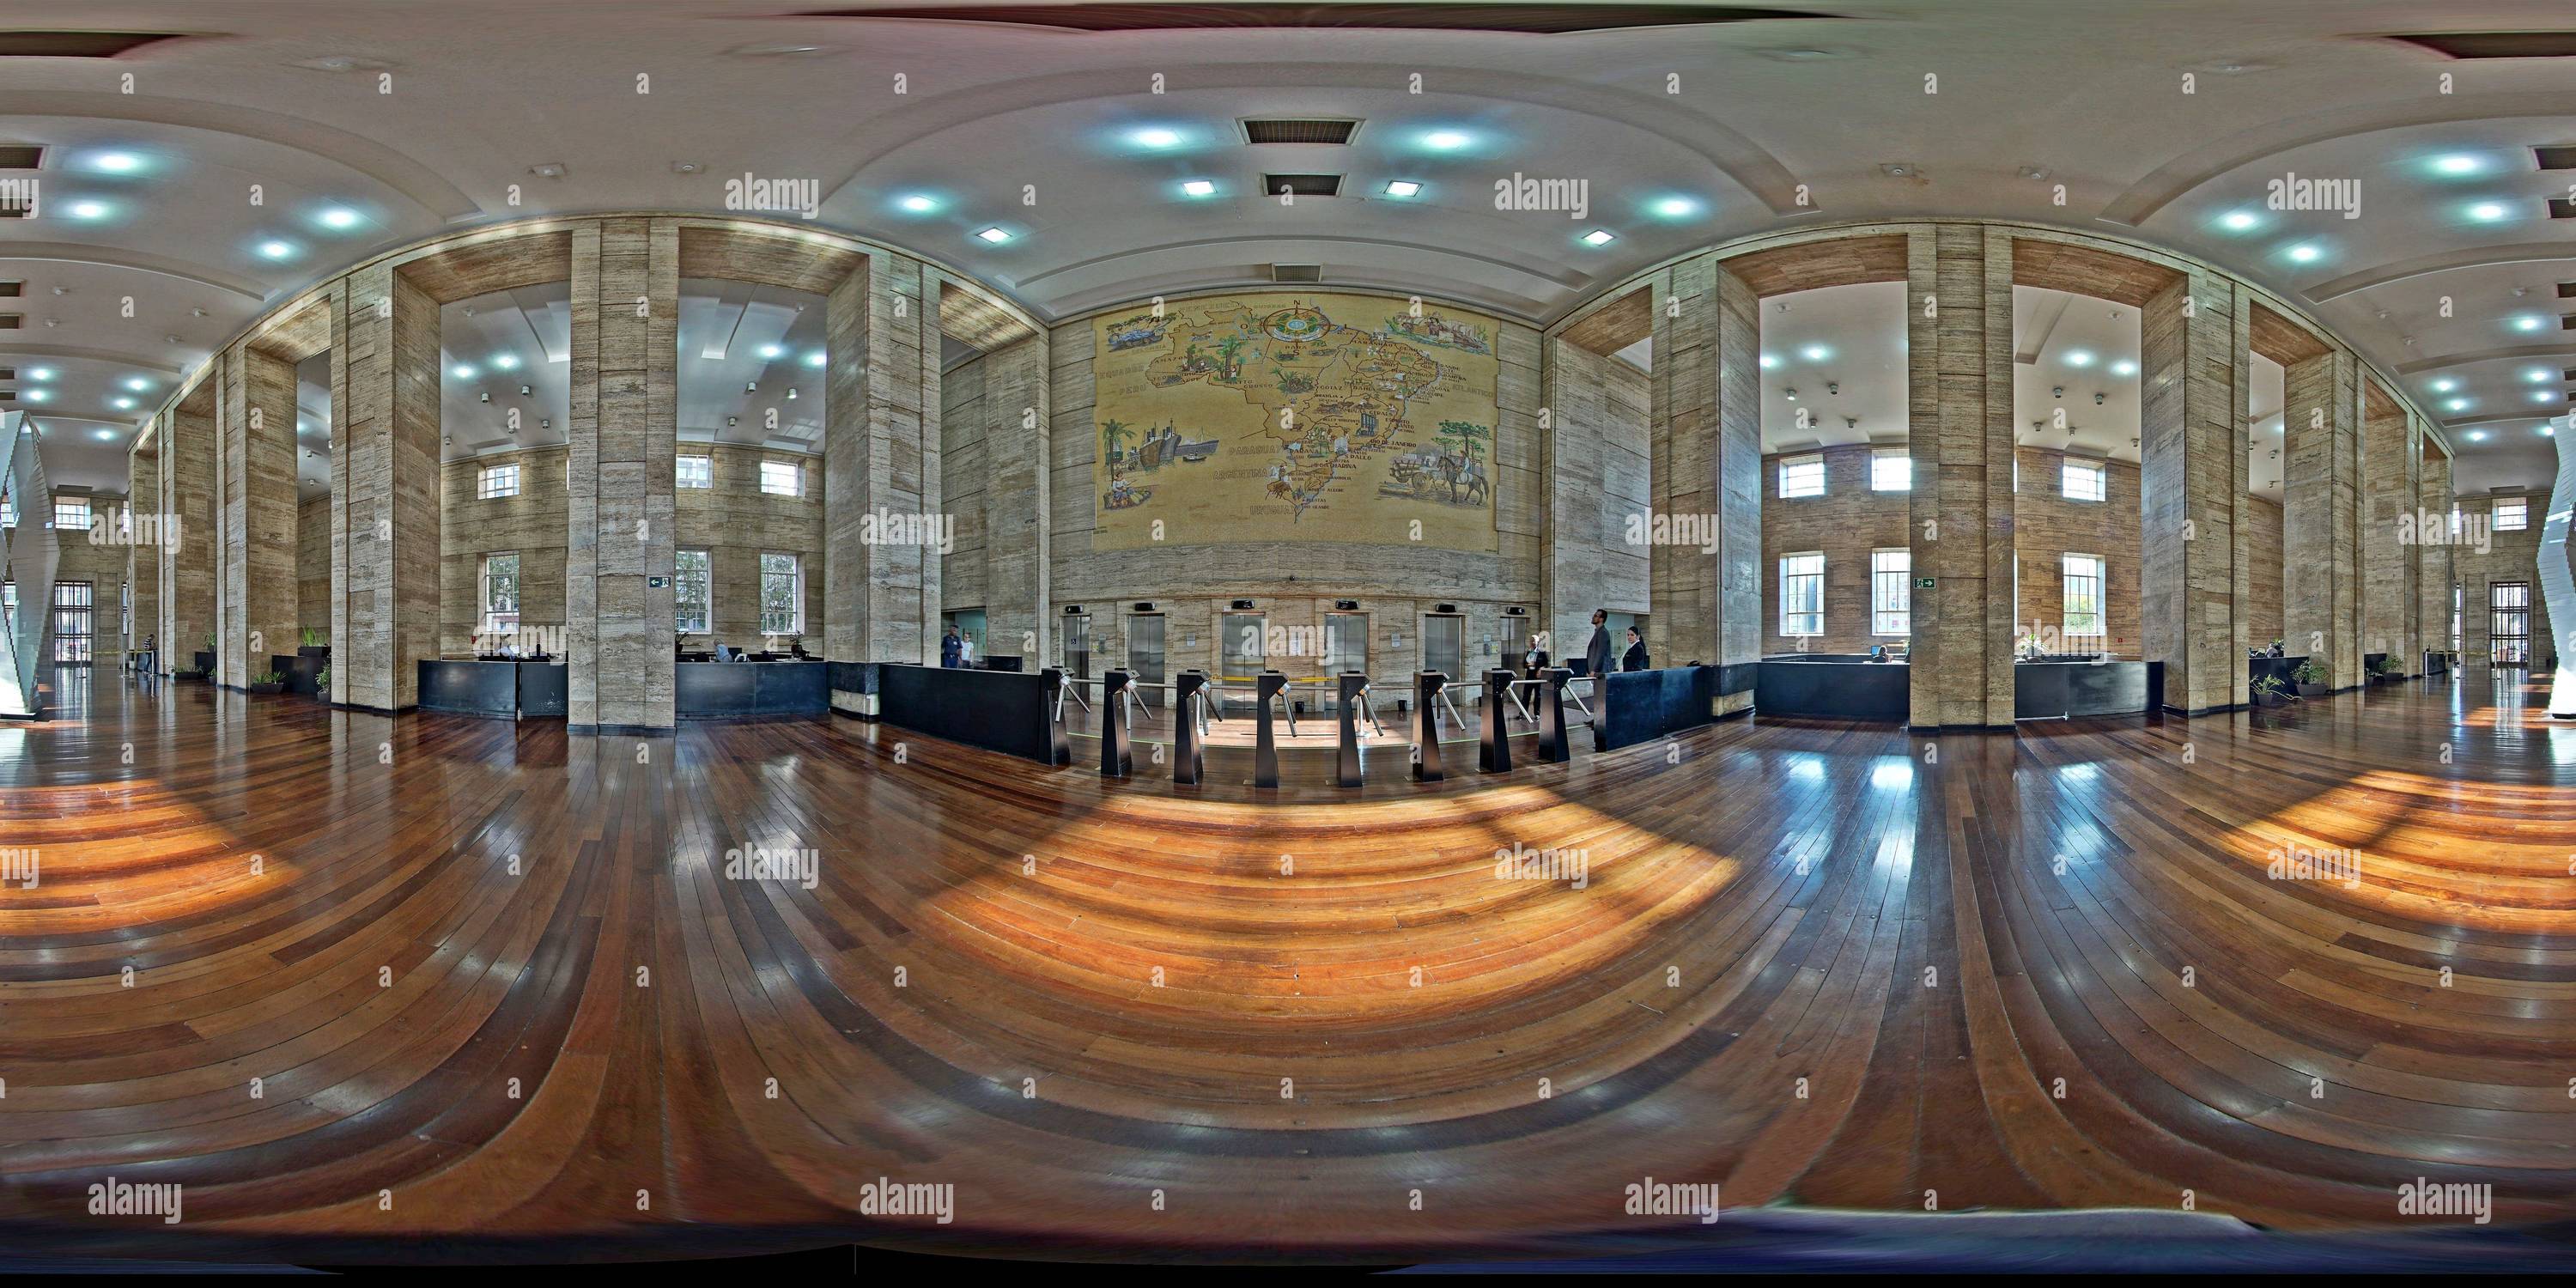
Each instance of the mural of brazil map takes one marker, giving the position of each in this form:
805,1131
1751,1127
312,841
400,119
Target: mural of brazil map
1310,417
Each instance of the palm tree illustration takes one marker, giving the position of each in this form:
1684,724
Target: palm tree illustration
1470,438
1113,440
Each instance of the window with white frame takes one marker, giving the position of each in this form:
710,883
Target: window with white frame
2082,595
71,514
1891,592
497,481
1891,471
782,478
691,597
501,593
782,593
2081,481
1802,593
2512,514
697,472
1802,476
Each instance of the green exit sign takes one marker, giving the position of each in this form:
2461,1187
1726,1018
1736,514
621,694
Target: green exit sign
1923,583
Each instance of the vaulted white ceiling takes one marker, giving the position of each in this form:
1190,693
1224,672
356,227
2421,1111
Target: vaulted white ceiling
290,140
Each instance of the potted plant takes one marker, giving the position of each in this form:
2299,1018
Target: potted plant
322,683
2387,671
206,657
313,644
267,682
2312,677
2270,692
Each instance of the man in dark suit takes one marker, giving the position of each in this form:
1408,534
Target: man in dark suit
1596,656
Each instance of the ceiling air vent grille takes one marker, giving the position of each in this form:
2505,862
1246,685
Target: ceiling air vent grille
1299,131
2495,44
10,321
1303,185
76,44
1295,272
21,156
2567,290
2559,157
12,289
8,373
2562,208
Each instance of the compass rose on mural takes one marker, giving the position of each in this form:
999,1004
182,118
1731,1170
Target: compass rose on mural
1297,324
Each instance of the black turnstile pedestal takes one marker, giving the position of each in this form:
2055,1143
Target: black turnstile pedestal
1189,761
1265,740
1551,714
1059,746
1426,726
1494,746
1347,771
1117,759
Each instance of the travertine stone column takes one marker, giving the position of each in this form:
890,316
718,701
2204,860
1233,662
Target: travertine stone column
880,458
188,493
2388,466
143,562
1959,362
2320,514
1016,500
625,433
258,419
2434,571
384,496
2194,533
1705,435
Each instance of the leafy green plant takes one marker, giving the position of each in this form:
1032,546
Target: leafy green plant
322,682
210,641
2311,671
312,637
269,677
2386,666
2270,686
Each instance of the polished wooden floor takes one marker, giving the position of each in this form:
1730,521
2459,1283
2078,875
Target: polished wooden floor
494,984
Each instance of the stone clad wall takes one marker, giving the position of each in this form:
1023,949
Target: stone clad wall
734,522
531,524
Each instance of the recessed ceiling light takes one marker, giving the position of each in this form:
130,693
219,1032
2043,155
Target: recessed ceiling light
2124,367
1198,188
344,63
2526,323
106,436
2488,211
814,359
88,209
2237,221
339,217
772,350
918,204
276,249
464,371
1815,353
1402,188
1156,138
116,162
1446,140
994,235
2445,386
138,384
1676,207
121,404
547,169
2547,432
506,362
2545,396
36,395
2456,163
2457,404
1599,237
2079,358
40,373
2536,375
2304,253
1769,362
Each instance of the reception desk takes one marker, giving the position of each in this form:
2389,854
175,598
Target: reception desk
506,690
1836,686
749,690
2052,689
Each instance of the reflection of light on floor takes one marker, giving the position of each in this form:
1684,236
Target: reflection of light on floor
1892,777
2562,744
1807,765
2078,773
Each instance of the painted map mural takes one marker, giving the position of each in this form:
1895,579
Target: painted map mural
1294,417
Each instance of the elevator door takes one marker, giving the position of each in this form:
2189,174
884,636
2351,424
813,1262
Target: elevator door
1240,652
1145,650
1077,646
1444,644
1345,649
